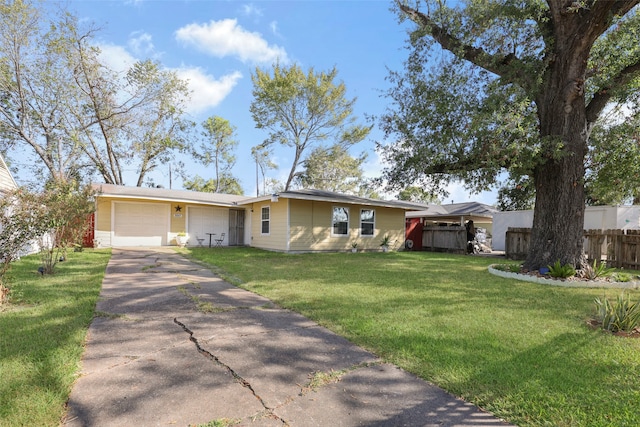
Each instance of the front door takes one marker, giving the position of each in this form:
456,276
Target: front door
236,227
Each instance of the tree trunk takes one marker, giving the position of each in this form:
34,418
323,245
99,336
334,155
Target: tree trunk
558,219
296,161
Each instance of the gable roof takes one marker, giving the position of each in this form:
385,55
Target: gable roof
7,183
163,194
332,197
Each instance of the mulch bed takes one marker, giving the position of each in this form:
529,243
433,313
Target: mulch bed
595,324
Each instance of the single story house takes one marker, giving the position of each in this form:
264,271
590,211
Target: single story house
139,216
292,221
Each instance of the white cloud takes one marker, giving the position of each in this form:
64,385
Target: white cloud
141,43
116,57
227,38
207,91
274,27
251,9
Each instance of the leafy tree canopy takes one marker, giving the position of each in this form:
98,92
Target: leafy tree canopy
217,147
517,194
63,105
418,195
495,85
227,184
613,164
333,169
301,110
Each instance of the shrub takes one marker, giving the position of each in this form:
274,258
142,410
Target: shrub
622,277
595,270
623,315
561,271
509,268
67,209
22,216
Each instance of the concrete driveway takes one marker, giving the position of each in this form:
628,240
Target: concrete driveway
174,345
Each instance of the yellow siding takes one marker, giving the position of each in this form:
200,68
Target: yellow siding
389,222
277,237
103,229
301,230
178,219
310,227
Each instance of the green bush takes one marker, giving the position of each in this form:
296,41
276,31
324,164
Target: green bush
622,277
509,268
623,315
595,270
561,271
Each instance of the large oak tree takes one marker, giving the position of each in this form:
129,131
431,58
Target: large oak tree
497,85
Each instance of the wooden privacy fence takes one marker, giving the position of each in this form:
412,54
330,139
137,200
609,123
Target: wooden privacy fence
516,244
444,239
619,248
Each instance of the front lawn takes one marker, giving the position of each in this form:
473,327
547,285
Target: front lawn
42,333
520,350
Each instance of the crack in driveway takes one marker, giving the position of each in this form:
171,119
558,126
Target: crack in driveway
244,383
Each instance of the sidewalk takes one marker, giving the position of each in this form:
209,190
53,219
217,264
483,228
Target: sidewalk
174,345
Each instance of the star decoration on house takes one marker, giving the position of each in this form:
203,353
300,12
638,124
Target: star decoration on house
178,208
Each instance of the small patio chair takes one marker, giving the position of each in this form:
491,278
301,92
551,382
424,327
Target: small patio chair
219,241
200,240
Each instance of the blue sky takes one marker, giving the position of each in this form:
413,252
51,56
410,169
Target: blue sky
216,45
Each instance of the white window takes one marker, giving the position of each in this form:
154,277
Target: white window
266,219
340,222
367,222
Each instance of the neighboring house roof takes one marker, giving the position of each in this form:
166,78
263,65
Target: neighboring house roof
455,211
329,196
162,194
7,183
470,208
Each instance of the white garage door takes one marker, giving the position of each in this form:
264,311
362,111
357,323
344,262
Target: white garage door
140,224
203,220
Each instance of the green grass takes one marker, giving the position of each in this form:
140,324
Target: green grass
522,351
42,332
